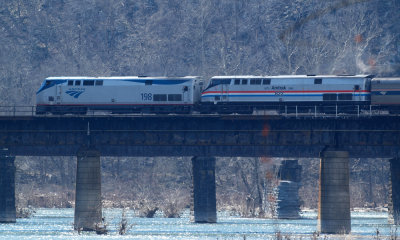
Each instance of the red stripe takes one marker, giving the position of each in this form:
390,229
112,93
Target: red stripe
335,91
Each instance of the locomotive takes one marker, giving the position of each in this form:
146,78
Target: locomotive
222,94
61,95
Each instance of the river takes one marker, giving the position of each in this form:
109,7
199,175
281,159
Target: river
58,224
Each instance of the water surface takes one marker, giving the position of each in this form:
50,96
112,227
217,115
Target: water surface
58,224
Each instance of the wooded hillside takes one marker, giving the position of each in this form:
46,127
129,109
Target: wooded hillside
42,38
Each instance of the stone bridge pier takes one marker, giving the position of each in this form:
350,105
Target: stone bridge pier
204,194
394,191
7,187
289,175
88,207
334,193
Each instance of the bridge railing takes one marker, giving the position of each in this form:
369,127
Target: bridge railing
17,110
325,111
290,111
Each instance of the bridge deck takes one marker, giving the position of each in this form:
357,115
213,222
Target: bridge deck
200,135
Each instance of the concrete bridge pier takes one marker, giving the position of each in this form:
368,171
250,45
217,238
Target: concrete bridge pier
288,205
88,209
334,194
394,191
7,187
204,195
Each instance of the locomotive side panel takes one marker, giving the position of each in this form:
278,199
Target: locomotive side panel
77,95
292,89
125,92
385,91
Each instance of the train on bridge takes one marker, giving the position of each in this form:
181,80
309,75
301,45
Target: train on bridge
222,94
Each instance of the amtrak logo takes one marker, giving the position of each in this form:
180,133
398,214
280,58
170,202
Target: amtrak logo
75,93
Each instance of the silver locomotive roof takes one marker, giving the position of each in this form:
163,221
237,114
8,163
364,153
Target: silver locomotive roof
291,76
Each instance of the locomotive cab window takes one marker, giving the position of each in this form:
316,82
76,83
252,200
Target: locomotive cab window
148,82
266,81
88,83
220,81
216,82
48,82
70,82
226,81
318,81
99,83
78,83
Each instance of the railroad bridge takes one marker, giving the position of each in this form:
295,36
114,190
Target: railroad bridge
204,137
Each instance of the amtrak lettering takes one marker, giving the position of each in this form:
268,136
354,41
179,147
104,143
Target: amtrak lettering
278,87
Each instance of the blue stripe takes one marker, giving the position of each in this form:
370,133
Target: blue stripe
52,84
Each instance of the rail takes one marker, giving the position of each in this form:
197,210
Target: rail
288,111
